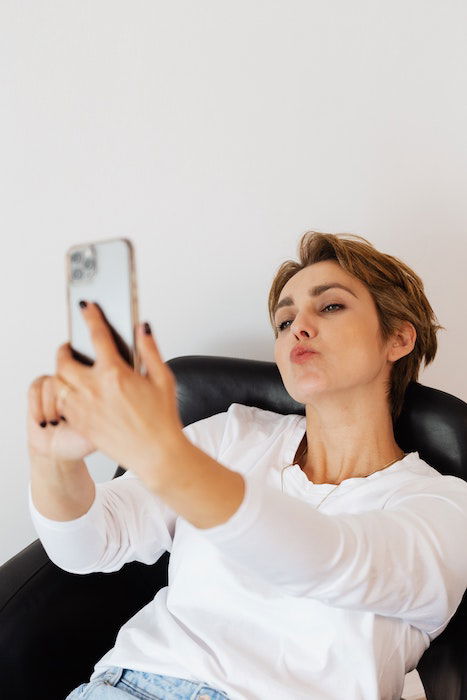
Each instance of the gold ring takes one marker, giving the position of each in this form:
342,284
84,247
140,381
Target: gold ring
63,394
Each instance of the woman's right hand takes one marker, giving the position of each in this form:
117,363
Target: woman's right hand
54,442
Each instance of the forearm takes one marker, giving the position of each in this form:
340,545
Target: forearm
61,490
269,532
198,487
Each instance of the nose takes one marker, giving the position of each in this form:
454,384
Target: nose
302,333
300,327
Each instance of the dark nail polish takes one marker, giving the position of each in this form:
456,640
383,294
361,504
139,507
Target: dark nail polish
43,424
83,304
147,328
54,422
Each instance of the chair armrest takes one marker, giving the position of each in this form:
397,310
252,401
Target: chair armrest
54,625
443,666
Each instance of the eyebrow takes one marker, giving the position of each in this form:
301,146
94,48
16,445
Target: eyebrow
314,292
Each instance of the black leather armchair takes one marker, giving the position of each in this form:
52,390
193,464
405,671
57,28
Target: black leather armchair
54,625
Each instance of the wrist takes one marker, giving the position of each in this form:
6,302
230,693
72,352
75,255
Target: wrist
157,464
48,463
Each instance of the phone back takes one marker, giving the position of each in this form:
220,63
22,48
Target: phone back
103,272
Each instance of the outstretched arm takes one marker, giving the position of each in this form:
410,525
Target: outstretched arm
407,560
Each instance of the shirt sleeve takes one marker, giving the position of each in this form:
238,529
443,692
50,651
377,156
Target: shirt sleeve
407,560
126,521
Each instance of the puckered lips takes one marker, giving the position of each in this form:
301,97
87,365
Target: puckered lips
302,353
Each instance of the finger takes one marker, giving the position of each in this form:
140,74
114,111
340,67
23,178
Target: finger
101,335
35,400
48,402
156,368
63,394
71,370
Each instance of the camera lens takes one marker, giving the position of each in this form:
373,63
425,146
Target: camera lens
89,263
77,274
76,257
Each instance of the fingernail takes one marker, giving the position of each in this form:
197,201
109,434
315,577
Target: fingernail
43,424
83,304
54,422
147,328
63,418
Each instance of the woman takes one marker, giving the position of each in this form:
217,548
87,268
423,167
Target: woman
324,560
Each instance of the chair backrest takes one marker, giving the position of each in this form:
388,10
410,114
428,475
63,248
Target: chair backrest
432,422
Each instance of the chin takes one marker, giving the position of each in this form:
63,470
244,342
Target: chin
304,394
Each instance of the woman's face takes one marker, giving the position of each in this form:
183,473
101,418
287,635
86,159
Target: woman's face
341,326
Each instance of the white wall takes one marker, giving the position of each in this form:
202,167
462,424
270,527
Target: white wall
214,134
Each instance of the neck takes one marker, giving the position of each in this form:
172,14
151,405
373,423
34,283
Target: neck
349,438
319,474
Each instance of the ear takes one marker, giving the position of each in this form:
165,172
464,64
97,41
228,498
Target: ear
402,342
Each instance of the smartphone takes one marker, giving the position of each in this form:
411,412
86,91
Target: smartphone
103,272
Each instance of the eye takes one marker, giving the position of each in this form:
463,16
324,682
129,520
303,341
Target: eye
341,306
281,326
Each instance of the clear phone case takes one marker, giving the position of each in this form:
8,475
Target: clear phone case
103,272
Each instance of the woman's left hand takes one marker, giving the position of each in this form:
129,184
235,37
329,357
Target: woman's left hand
130,417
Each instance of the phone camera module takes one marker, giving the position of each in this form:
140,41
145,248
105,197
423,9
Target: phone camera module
83,264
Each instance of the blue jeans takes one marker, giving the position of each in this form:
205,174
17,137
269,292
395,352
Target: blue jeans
122,683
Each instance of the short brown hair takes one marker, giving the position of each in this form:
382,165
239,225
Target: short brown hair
396,289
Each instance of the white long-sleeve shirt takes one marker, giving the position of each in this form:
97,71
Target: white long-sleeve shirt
282,601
